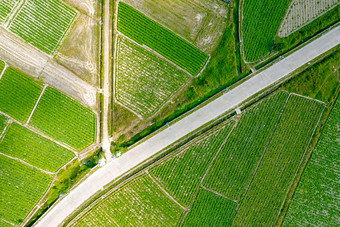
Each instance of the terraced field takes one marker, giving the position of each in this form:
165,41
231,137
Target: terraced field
18,94
43,23
138,203
6,8
179,176
316,199
64,119
21,187
144,81
261,22
20,142
147,32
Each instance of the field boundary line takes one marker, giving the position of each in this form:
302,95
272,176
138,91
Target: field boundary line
217,193
3,133
307,97
7,222
3,70
165,192
28,164
36,104
14,12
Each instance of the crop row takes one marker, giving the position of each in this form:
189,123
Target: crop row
316,199
261,21
181,174
239,156
43,23
64,119
3,123
6,8
21,187
144,81
20,142
138,203
147,32
264,198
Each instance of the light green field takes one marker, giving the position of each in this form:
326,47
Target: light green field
144,81
20,142
181,174
3,123
316,199
6,7
18,94
21,187
64,119
210,209
138,203
147,32
43,23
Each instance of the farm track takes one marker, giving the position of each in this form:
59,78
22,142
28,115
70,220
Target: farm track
145,150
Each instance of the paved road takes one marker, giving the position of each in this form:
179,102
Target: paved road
188,124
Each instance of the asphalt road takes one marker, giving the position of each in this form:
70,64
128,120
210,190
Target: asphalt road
150,147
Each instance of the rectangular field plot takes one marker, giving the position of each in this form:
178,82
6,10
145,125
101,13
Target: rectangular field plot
20,142
316,199
147,32
210,209
64,119
6,7
21,187
144,81
239,156
43,23
18,94
181,174
3,123
269,187
138,203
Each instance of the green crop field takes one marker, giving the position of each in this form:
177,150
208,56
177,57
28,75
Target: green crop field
316,199
2,66
138,203
18,94
6,7
181,174
64,119
144,81
269,187
147,32
20,142
43,23
210,209
261,22
3,123
21,187
240,155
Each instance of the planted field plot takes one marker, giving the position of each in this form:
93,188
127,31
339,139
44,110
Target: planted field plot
18,94
2,66
144,81
302,12
3,123
147,32
316,199
239,156
6,7
64,119
138,203
268,189
43,23
181,174
261,22
20,142
21,187
210,209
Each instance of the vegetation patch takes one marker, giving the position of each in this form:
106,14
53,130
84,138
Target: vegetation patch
210,209
6,8
64,119
316,199
144,81
21,187
138,203
3,123
18,94
147,32
43,23
182,173
20,142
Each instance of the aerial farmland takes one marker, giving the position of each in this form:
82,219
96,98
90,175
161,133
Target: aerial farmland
169,113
